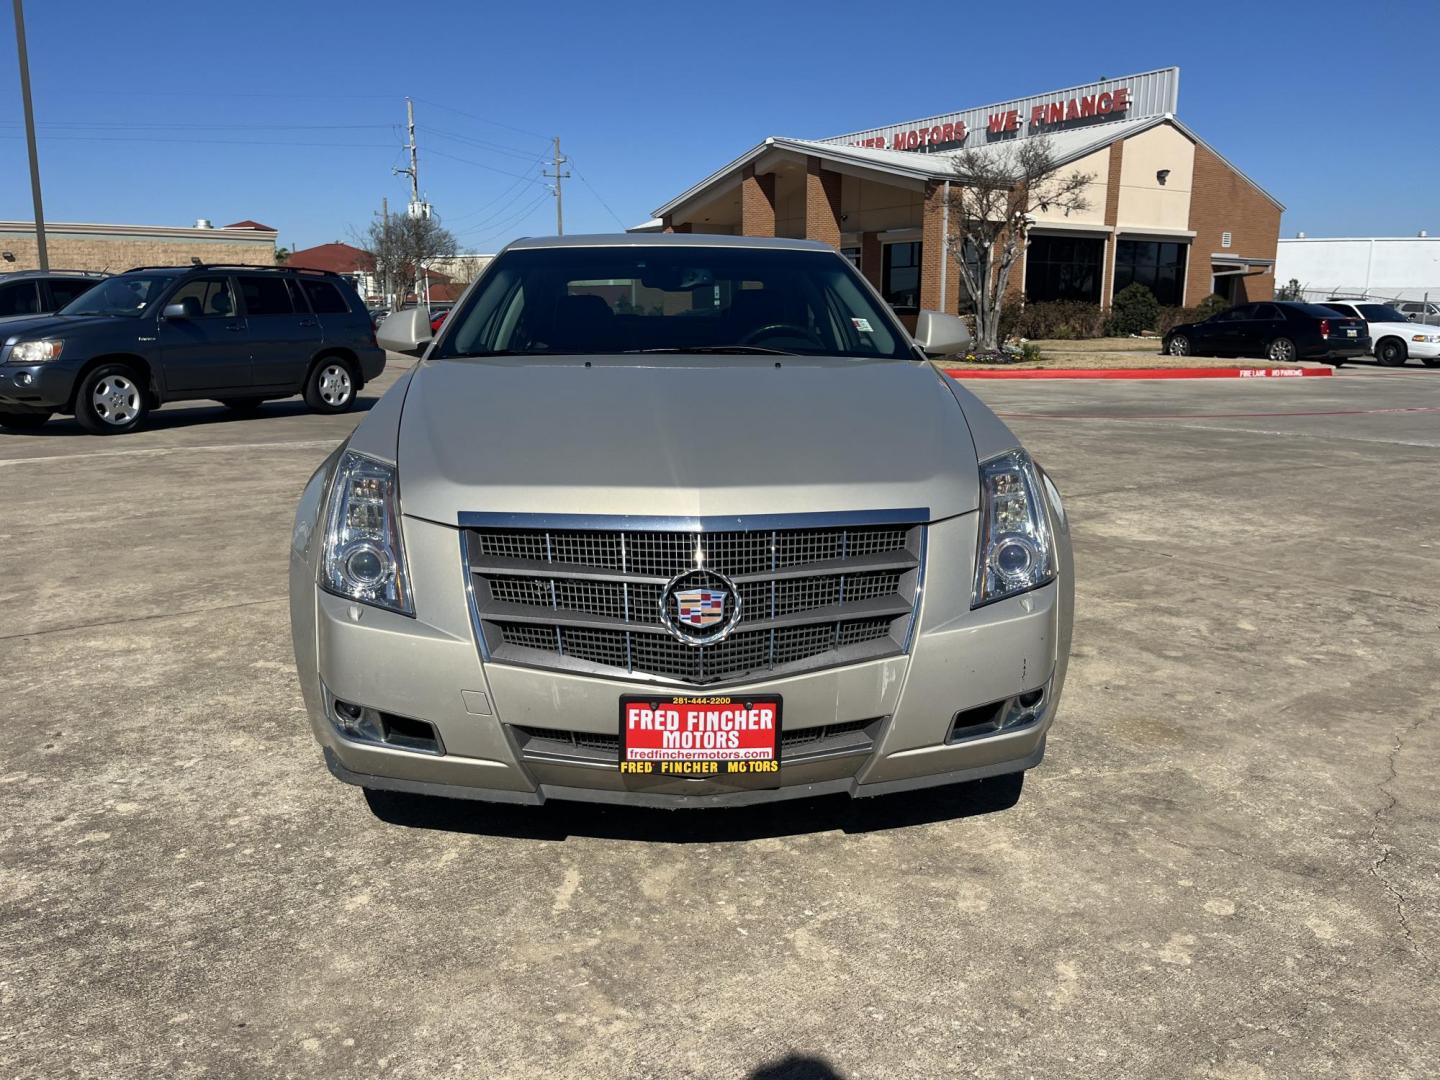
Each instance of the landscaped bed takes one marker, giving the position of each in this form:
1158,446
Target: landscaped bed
1110,353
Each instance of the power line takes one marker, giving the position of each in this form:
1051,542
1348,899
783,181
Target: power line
597,195
480,143
511,222
481,164
124,124
481,119
215,142
514,187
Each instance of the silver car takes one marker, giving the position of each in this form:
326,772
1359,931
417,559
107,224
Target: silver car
678,521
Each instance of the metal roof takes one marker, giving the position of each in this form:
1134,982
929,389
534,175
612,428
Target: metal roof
599,240
1067,146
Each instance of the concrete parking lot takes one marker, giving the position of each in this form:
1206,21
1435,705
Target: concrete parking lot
1227,865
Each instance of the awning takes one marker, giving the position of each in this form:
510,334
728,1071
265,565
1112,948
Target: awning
1223,264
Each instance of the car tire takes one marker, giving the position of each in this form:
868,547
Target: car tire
1177,345
1392,352
23,421
1282,350
246,406
111,400
330,386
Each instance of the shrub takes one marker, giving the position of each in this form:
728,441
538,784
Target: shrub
1211,305
1171,317
1063,320
1135,310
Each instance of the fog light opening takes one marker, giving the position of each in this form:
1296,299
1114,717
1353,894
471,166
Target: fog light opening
410,734
998,716
348,712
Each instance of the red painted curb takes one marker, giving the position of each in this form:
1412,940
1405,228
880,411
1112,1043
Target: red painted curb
1143,373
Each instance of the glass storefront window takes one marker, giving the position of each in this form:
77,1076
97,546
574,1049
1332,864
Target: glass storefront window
1063,268
900,281
1158,265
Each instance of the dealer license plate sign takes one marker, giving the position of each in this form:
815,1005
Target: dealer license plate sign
700,736
1352,333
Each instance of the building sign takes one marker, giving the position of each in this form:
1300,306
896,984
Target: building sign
1151,93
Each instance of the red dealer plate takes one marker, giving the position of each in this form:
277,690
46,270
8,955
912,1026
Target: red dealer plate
700,736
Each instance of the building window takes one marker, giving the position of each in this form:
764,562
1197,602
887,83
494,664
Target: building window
900,280
1160,267
1063,268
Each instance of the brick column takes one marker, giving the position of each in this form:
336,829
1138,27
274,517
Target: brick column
872,257
822,203
757,203
934,250
1112,215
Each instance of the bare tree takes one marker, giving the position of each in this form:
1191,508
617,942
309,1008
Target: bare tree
401,246
992,202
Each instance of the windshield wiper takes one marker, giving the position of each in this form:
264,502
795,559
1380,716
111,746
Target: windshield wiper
743,350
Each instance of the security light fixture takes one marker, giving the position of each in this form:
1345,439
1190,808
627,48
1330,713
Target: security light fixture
194,260
1162,175
8,256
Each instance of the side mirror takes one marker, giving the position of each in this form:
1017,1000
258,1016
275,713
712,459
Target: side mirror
405,331
940,335
175,311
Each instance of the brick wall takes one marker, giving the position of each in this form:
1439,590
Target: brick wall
114,253
822,203
757,203
1223,201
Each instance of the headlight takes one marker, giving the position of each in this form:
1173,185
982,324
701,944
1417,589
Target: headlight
364,555
36,352
1016,552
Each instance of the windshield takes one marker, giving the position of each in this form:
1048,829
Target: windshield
563,301
129,294
1380,313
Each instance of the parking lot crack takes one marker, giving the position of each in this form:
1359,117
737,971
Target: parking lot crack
142,618
1396,894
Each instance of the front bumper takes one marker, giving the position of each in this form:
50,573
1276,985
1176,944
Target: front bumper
429,668
41,386
1423,350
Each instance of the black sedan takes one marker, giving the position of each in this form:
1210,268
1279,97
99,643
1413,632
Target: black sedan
1276,329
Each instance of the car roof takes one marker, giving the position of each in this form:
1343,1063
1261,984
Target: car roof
712,240
247,267
15,275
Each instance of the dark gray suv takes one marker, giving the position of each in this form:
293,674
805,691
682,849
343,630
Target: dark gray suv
33,292
240,335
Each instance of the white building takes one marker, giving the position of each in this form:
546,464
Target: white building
1385,267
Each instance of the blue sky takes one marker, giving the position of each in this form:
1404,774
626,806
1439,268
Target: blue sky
292,113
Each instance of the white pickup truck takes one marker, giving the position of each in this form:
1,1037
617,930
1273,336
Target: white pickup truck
1393,339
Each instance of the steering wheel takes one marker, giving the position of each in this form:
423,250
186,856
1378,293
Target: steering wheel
771,329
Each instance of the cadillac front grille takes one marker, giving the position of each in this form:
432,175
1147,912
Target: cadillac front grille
695,608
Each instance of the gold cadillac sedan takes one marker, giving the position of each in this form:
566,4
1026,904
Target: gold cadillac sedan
678,521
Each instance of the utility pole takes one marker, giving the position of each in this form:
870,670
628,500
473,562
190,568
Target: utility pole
417,208
414,170
557,176
30,136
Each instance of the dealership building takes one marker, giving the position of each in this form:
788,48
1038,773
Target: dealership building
1164,207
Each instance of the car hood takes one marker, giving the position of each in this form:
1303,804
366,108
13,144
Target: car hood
682,436
1401,329
29,327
